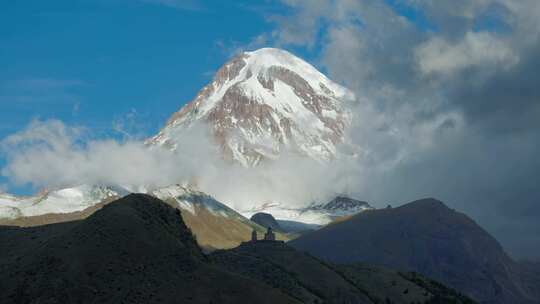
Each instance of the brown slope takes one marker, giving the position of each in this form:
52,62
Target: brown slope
220,232
427,237
134,250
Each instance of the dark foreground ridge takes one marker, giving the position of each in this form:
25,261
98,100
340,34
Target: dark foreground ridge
426,236
138,250
134,250
310,280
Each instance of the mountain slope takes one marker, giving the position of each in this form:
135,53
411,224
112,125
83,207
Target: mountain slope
312,281
427,237
135,250
65,200
264,102
215,225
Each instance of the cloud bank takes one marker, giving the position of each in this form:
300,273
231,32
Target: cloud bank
49,154
449,101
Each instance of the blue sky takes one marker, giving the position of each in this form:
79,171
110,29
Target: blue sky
90,62
101,63
93,63
98,63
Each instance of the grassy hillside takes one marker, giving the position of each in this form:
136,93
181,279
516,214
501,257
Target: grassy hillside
311,280
427,237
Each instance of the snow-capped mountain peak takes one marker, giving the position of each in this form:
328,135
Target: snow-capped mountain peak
263,102
342,206
316,213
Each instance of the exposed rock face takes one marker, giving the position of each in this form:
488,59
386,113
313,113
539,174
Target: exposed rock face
265,102
427,237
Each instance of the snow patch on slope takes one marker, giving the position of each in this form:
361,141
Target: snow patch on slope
191,200
59,201
316,214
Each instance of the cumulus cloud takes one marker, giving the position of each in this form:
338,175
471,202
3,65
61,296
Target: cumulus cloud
476,49
49,154
448,101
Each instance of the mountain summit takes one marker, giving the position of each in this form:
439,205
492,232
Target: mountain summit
265,102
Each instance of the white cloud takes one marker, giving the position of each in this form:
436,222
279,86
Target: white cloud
302,29
476,49
49,154
441,92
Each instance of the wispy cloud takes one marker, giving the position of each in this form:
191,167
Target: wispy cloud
192,5
43,91
452,107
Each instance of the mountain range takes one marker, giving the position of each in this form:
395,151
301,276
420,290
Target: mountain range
314,214
138,250
260,105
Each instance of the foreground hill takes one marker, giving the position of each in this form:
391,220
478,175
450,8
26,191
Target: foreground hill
138,250
310,280
427,237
